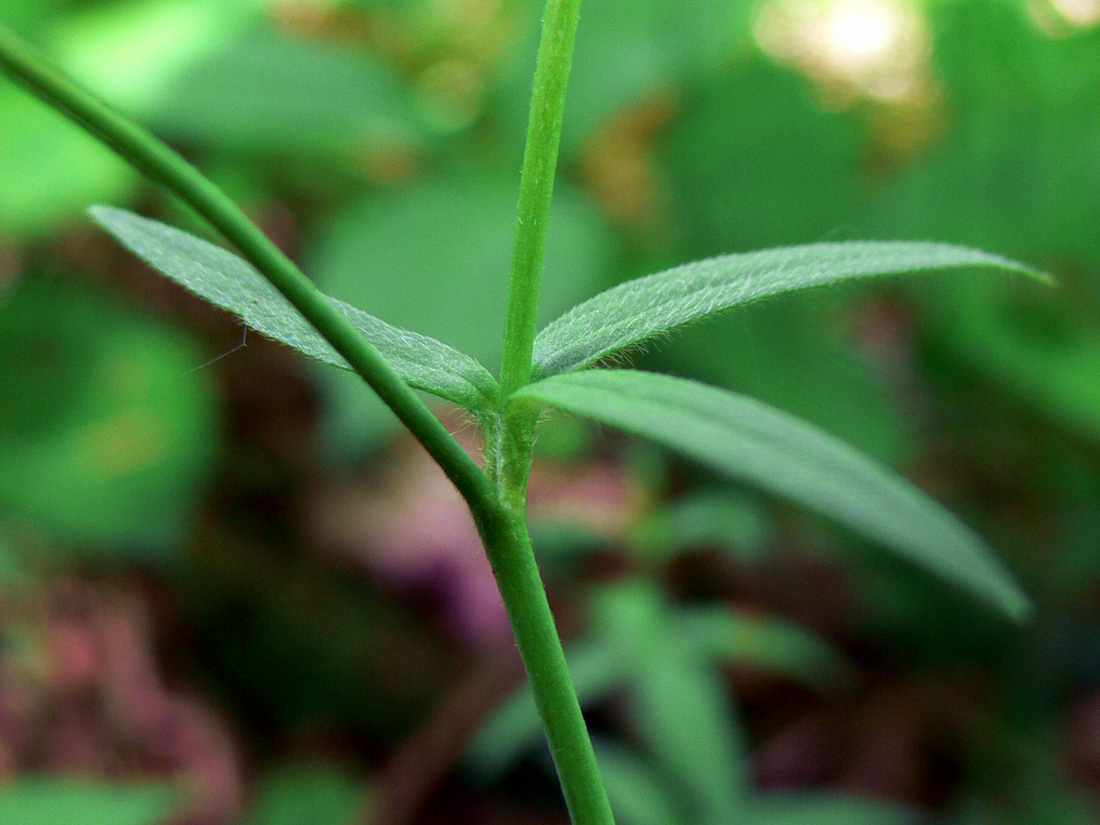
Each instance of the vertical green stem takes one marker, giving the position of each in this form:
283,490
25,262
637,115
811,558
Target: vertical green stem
509,547
507,541
540,158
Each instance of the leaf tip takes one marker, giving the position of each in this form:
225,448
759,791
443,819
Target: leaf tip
1045,278
103,215
1019,608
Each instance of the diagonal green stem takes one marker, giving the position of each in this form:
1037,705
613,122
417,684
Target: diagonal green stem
509,547
162,164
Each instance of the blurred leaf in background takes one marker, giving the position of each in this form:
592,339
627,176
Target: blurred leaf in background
264,94
310,795
626,52
126,52
108,431
689,763
1014,170
53,801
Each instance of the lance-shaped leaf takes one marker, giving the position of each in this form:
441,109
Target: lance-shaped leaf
638,310
639,791
766,642
758,444
230,282
681,712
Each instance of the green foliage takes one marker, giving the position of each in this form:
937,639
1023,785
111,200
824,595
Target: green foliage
308,796
749,441
682,716
11,567
130,51
750,161
642,795
514,728
788,354
74,169
126,51
755,164
52,801
689,765
713,516
638,310
826,809
625,52
106,432
1044,349
636,787
640,642
434,258
1014,172
233,284
218,100
722,636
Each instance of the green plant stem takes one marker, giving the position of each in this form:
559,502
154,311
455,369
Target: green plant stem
160,163
540,158
498,509
508,543
509,547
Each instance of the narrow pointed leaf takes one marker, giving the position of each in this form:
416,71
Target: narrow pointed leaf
230,282
681,712
639,793
761,445
766,642
638,310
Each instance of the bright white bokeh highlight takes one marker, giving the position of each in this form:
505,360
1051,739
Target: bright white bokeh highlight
876,48
1061,18
1078,12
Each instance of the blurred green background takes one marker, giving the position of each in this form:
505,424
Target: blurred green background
231,592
